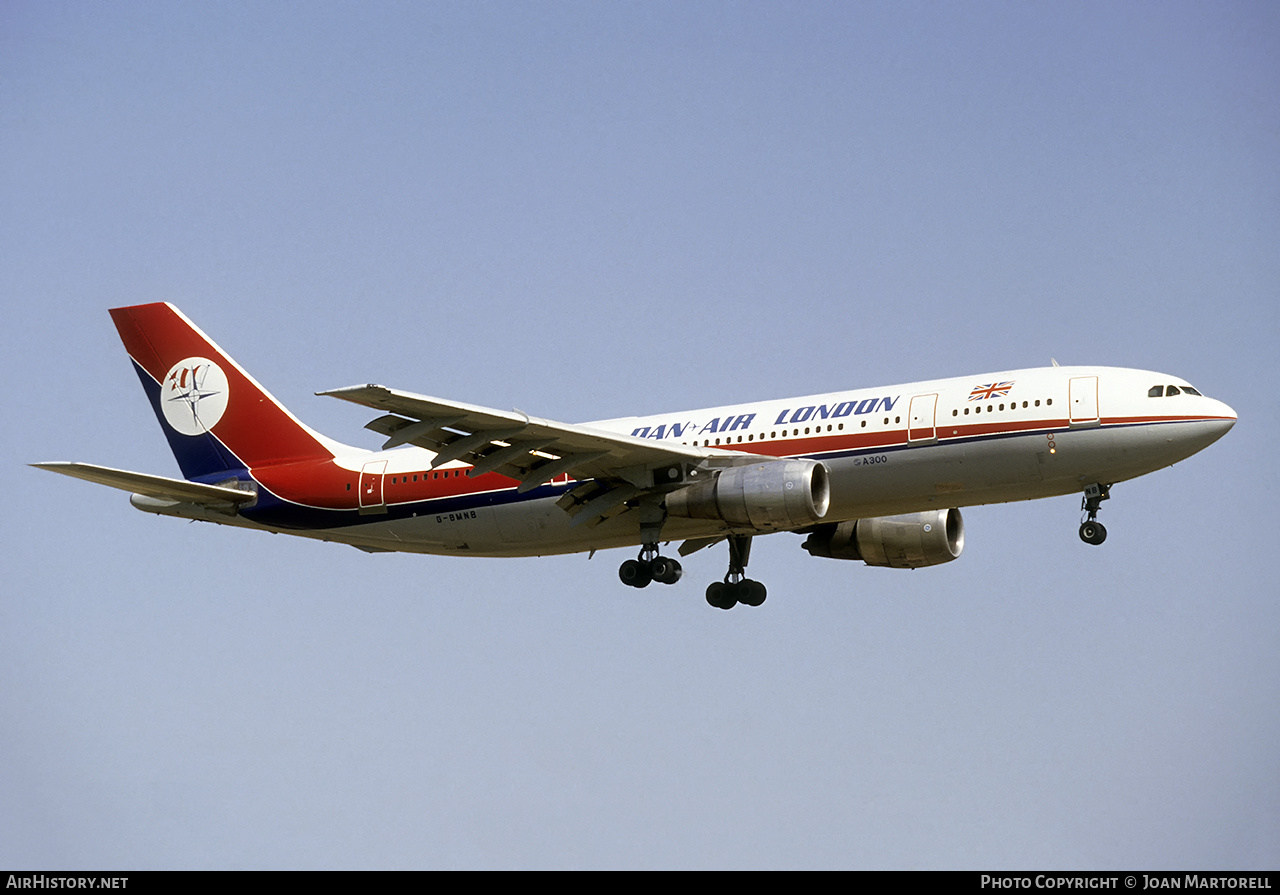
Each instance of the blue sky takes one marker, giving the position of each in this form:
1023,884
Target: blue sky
594,210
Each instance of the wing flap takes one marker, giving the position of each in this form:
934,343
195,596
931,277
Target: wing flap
473,434
615,471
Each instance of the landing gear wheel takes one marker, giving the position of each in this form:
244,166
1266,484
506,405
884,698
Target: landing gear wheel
750,593
736,587
720,595
1093,533
665,570
635,573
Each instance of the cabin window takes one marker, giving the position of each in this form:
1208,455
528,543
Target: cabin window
1170,391
1190,391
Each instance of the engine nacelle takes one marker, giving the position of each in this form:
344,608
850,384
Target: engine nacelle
911,541
772,496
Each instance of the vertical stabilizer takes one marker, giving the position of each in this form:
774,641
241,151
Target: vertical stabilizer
217,417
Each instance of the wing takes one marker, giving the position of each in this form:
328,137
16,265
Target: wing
158,486
612,468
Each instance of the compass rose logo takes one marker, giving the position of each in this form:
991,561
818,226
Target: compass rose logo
194,395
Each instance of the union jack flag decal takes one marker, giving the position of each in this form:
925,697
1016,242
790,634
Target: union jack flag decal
990,390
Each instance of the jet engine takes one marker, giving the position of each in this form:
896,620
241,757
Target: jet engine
910,541
772,496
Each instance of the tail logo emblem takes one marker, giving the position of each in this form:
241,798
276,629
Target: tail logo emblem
194,395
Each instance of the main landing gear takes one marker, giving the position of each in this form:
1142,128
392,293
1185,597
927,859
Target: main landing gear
736,587
1091,530
649,566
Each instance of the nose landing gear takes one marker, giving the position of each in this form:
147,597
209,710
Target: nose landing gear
1091,530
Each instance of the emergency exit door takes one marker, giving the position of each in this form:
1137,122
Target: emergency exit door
371,496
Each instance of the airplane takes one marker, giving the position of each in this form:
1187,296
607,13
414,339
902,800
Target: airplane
877,475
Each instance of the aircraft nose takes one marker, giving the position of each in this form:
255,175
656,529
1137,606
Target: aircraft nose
1221,418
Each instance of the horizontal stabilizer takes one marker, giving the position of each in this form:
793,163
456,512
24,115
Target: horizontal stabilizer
157,486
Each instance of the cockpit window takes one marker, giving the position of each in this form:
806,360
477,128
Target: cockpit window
1168,391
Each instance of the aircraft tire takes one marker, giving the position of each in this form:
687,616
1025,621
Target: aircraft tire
1093,533
720,595
665,570
751,593
634,573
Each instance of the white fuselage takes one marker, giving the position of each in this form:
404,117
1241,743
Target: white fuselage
990,438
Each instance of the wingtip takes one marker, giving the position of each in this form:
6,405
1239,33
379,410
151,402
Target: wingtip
348,389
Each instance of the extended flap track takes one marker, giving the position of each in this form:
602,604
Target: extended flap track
531,461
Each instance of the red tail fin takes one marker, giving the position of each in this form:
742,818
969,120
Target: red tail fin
216,416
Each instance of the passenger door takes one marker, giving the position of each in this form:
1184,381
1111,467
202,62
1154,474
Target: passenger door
1084,401
921,423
